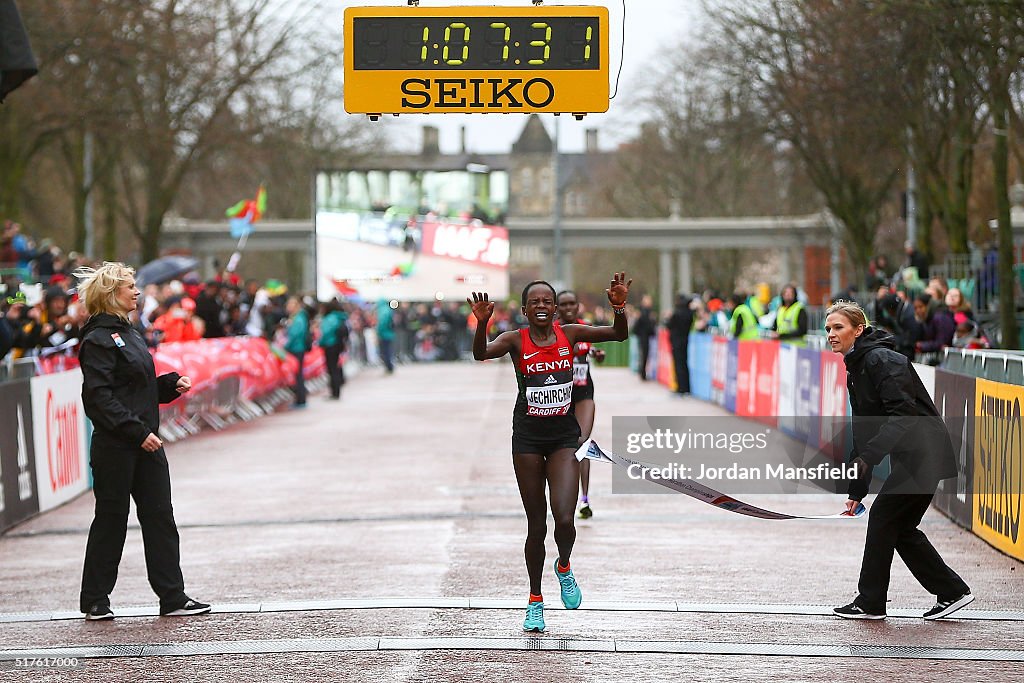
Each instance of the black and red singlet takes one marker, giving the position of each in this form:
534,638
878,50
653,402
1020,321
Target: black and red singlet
544,410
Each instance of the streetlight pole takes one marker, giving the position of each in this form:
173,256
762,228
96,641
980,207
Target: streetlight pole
556,212
911,193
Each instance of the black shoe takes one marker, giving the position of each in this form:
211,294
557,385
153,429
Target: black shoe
853,611
188,609
98,612
585,511
943,608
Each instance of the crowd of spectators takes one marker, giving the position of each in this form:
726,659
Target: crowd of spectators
40,314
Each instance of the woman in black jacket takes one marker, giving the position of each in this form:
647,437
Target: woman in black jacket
122,397
893,415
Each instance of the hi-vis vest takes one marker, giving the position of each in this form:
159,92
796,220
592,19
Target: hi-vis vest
750,329
787,323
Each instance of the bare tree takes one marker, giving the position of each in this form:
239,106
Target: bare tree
1003,57
828,90
944,110
185,66
34,119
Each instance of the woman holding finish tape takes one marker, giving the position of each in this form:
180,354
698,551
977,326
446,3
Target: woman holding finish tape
893,415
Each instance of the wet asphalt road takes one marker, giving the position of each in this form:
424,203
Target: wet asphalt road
404,489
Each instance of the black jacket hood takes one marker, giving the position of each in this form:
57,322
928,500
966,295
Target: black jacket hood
872,338
104,320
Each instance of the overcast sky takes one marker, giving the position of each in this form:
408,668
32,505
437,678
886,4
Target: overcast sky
652,26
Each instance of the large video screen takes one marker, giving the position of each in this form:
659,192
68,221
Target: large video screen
410,236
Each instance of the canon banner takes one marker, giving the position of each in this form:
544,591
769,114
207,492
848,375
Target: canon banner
61,451
18,498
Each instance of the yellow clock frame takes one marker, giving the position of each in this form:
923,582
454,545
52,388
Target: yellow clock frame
450,89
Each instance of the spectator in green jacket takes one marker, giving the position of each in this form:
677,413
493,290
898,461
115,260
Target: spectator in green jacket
334,342
298,342
385,334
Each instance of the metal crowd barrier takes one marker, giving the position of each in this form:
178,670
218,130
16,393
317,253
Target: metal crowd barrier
996,365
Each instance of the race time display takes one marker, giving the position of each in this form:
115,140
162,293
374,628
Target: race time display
421,60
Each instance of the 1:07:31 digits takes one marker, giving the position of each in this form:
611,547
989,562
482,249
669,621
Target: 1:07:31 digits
479,42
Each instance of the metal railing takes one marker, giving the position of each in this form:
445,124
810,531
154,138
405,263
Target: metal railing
996,365
22,368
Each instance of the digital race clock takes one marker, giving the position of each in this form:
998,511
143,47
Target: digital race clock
422,60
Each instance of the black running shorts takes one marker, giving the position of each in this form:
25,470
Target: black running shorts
545,448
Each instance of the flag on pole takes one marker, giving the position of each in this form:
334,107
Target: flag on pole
243,215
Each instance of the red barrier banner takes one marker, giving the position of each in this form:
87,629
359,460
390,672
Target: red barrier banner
666,371
250,363
746,377
765,381
757,375
834,402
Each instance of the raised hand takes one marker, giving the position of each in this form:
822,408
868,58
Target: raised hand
482,308
619,290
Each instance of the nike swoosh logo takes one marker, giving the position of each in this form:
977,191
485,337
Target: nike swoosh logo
530,355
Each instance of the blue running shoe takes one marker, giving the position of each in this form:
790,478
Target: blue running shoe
534,617
571,595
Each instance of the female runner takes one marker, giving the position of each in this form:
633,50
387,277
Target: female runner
582,389
545,433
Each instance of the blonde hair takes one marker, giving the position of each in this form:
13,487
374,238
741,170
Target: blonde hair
850,310
97,287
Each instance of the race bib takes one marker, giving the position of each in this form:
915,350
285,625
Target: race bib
550,399
579,374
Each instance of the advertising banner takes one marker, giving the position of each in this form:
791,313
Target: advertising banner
807,420
746,377
61,451
719,369
834,402
731,371
699,352
954,397
665,373
18,499
999,466
764,372
787,389
927,375
368,256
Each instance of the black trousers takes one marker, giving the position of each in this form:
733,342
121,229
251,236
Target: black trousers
117,474
679,354
335,371
300,380
892,527
644,347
